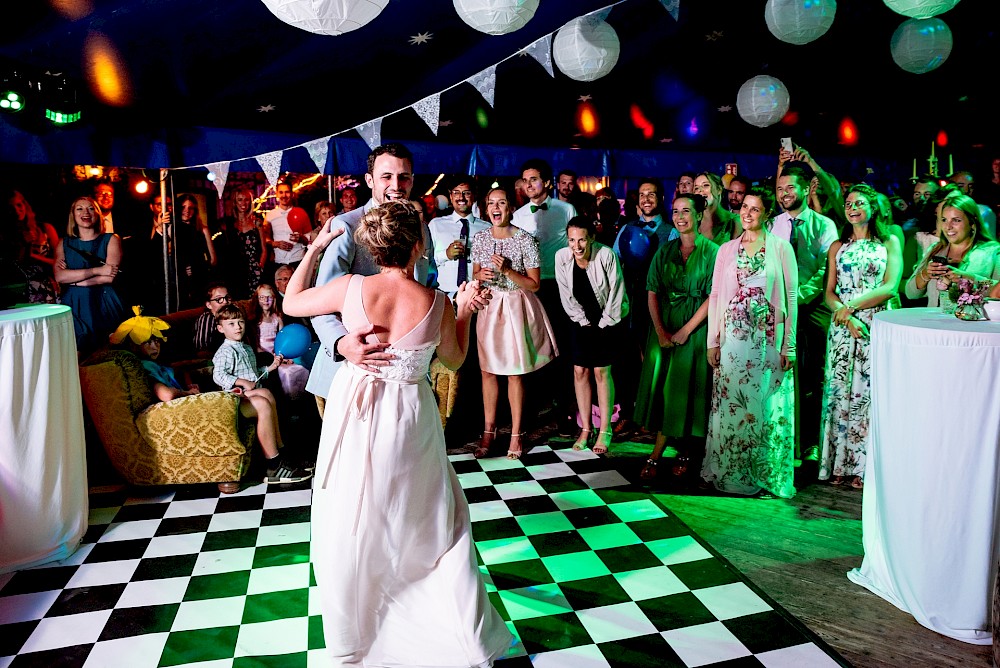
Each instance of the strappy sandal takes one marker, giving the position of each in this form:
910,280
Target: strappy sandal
485,441
601,447
837,480
857,482
681,466
583,440
511,452
649,471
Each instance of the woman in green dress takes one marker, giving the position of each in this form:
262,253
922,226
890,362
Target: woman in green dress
673,396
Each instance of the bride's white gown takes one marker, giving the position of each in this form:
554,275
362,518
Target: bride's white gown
391,543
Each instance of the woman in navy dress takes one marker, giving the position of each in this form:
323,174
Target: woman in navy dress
86,264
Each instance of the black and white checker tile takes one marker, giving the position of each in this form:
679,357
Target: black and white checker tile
587,570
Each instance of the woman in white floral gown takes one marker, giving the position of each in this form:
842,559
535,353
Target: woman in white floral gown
863,271
752,311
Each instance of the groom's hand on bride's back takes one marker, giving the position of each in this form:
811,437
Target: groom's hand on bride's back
368,356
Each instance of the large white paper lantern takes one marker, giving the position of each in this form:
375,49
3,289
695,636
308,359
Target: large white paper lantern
920,9
921,45
799,21
326,17
496,17
762,101
586,48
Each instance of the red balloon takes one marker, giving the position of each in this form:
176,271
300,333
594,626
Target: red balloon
298,220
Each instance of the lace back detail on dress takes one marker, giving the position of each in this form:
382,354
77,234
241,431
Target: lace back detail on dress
414,350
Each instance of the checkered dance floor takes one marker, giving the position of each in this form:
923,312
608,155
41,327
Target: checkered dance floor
587,570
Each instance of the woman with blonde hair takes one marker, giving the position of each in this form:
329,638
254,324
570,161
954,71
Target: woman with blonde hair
392,554
86,263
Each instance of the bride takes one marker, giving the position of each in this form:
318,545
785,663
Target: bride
391,546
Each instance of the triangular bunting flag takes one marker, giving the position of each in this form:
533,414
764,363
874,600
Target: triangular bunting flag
371,132
271,164
602,14
672,6
318,150
221,172
486,83
429,109
541,50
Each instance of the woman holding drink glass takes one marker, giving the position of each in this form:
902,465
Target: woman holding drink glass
513,332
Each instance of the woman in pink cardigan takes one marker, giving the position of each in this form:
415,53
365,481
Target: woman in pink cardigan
751,346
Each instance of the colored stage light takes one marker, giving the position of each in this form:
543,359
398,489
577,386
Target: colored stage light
847,132
586,119
11,101
942,138
640,121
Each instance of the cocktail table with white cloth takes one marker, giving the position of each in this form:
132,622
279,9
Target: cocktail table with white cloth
43,457
929,512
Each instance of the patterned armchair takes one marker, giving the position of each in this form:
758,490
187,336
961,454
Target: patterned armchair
188,440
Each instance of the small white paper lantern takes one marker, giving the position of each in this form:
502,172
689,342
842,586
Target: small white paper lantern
326,17
496,17
921,45
799,21
586,49
762,101
920,9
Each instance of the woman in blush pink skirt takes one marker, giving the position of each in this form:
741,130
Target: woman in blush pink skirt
513,332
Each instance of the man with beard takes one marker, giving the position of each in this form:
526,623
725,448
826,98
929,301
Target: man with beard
737,190
811,235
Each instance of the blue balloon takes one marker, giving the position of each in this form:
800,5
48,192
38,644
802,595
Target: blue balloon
636,246
292,341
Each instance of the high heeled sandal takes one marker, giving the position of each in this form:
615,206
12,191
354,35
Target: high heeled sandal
649,471
511,452
583,440
681,465
485,441
602,448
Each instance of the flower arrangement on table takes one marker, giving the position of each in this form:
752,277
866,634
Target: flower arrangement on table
969,296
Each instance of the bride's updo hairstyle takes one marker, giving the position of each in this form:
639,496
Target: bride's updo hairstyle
390,232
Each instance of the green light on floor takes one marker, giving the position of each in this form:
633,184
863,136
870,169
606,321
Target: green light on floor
60,118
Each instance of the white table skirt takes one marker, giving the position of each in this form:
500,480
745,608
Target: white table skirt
43,458
929,514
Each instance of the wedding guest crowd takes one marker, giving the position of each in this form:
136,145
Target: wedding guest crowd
747,350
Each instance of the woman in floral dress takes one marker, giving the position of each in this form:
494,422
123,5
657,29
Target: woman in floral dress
752,312
863,271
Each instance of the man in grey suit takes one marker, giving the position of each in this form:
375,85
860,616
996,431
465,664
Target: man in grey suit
390,177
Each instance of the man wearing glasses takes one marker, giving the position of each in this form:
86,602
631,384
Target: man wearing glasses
452,236
207,337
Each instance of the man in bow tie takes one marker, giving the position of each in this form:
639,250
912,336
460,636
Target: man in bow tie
546,219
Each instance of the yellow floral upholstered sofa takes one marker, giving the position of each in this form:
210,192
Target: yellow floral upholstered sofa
193,439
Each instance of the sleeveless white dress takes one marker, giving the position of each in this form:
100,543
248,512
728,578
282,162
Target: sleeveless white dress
391,546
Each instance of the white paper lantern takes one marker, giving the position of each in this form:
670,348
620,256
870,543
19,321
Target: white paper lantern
921,45
326,17
920,9
496,17
799,21
762,101
586,49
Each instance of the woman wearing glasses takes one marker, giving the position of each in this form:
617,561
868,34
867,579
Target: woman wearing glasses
863,270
